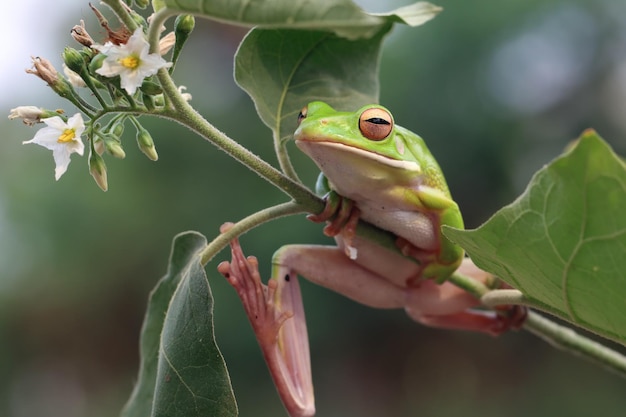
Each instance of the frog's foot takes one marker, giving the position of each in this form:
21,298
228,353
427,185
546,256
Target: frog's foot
449,307
277,318
257,299
342,217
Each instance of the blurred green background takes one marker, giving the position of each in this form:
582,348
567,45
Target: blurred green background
497,89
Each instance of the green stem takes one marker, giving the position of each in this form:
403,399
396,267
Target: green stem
568,340
283,158
188,117
559,336
156,22
94,90
121,12
469,284
246,224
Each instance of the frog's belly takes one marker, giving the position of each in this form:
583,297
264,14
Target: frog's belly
389,265
414,226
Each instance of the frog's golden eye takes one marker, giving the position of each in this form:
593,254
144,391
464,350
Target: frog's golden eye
375,124
302,114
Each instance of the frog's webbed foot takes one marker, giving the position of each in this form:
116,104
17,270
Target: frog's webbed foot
450,307
342,216
277,318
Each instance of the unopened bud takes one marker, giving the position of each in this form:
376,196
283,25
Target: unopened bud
73,77
74,60
118,129
183,26
148,101
142,4
98,146
150,88
114,147
98,170
146,144
96,63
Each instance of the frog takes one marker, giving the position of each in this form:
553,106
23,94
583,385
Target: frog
373,171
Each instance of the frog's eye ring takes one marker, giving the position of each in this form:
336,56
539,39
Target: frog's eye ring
302,114
375,123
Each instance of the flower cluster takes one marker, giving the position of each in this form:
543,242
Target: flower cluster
120,74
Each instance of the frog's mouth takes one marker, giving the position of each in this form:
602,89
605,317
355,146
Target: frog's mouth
325,152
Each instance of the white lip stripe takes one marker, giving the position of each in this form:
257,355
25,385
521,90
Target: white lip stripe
405,165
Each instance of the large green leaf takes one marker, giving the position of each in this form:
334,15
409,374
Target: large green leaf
562,243
283,70
182,372
342,17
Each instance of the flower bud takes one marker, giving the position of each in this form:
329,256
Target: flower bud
74,60
114,147
73,77
150,88
142,4
183,26
98,145
96,63
148,101
98,170
118,129
146,144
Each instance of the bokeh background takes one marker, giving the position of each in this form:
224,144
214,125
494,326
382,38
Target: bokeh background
497,89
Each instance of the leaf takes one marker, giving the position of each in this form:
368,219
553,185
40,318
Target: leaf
283,70
342,17
562,243
182,372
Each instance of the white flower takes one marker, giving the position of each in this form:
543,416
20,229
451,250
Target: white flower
131,61
29,114
63,139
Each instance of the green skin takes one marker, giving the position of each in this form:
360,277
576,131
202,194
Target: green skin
395,183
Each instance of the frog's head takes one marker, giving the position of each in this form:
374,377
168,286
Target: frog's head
371,129
366,140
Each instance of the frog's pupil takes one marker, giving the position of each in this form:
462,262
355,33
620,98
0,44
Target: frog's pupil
378,121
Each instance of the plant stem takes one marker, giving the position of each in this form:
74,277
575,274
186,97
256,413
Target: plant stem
568,340
248,223
121,12
559,336
188,117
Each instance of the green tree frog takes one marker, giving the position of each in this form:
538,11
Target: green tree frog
385,175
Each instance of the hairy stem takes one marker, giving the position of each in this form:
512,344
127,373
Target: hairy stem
568,340
561,337
246,224
121,11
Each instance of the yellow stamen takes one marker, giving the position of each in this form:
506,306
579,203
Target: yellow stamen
68,135
130,62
